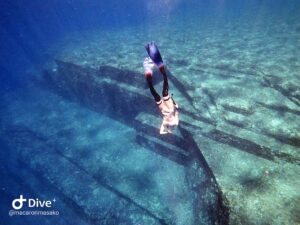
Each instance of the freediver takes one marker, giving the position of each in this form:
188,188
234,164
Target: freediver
167,106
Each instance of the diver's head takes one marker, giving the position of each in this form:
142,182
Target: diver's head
154,54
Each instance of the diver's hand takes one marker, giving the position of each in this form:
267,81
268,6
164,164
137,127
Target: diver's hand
162,129
163,132
169,131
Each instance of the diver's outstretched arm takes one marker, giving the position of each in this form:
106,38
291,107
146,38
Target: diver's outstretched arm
175,104
162,129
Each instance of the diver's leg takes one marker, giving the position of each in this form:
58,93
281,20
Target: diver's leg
165,92
152,90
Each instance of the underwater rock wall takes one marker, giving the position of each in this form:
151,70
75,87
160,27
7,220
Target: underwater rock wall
222,130
122,96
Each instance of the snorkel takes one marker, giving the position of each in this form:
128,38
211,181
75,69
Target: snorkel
154,54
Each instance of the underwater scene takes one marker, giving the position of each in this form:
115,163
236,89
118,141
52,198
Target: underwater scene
150,112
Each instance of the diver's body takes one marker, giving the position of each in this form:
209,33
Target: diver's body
169,110
167,105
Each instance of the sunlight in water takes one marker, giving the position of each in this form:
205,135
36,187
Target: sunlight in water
162,7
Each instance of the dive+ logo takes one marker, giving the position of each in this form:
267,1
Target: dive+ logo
31,203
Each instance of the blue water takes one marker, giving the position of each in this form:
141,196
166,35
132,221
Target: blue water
234,69
29,28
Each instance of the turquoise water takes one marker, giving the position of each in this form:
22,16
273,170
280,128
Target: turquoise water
79,126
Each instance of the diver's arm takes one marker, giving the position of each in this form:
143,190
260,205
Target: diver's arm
175,104
176,117
162,129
